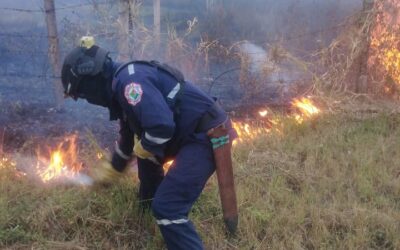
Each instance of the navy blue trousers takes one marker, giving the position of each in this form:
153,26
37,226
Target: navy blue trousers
178,190
150,176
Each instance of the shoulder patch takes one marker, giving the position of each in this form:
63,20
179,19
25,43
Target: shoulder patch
133,93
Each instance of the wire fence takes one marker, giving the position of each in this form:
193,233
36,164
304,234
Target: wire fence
66,7
271,41
32,52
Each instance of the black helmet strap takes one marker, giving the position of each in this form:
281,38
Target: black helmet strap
73,84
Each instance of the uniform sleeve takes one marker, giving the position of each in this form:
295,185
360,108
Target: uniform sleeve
148,106
123,148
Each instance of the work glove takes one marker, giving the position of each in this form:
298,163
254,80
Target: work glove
142,153
104,173
139,151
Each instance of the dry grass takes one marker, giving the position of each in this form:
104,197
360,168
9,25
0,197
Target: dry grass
330,183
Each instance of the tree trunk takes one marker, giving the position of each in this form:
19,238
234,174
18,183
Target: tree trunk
54,51
123,30
157,20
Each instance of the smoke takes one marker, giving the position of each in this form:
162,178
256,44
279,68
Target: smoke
80,179
25,75
269,21
273,76
258,57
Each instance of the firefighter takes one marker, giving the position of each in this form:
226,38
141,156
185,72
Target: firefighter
162,116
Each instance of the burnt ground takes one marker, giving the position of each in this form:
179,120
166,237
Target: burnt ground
28,117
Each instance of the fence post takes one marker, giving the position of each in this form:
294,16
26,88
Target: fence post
157,21
123,30
53,50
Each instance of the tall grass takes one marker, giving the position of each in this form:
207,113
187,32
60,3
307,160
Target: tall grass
329,183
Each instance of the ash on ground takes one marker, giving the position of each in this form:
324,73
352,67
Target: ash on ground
28,117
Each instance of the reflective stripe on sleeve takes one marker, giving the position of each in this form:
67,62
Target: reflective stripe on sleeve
156,140
174,91
166,222
131,69
121,154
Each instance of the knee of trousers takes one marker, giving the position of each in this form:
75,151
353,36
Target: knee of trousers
159,208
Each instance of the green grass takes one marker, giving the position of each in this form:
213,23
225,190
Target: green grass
330,183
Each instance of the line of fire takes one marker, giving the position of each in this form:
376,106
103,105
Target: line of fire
53,164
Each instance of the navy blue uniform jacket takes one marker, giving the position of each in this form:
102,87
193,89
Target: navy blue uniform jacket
153,108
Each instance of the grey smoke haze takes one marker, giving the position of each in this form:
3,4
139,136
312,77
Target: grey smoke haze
258,21
256,54
264,10
268,20
25,86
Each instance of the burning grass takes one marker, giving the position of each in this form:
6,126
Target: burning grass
303,109
60,162
329,182
385,50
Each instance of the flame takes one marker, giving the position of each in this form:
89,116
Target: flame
384,47
306,108
99,155
4,162
8,163
167,165
391,62
263,113
248,130
63,161
389,57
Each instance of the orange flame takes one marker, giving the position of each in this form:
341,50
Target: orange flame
3,162
251,129
306,108
167,165
63,161
8,163
99,155
385,46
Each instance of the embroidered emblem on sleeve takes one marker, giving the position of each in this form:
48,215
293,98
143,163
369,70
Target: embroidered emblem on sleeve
133,93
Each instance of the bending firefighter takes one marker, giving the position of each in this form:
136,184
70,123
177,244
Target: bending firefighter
170,119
